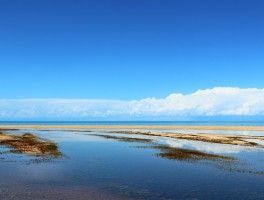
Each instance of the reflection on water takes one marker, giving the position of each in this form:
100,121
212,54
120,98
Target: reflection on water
108,166
209,147
227,163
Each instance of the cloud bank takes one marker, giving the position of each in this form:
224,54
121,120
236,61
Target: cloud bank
219,101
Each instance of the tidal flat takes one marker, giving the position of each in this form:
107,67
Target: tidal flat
130,163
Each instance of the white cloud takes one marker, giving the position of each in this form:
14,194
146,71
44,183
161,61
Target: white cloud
220,101
209,102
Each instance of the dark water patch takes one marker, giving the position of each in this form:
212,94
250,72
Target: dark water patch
31,192
132,192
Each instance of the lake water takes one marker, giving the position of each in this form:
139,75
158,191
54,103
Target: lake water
97,167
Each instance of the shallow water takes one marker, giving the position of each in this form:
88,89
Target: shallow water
95,167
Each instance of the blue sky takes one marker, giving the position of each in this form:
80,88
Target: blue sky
128,50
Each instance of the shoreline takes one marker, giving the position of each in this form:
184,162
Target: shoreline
146,127
158,130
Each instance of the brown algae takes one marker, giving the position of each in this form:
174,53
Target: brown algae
30,144
190,155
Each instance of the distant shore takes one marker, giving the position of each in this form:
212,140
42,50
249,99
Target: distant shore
159,130
131,127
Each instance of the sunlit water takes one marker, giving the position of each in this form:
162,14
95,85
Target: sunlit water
94,167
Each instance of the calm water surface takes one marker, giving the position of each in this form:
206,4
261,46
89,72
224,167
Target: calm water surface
95,167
